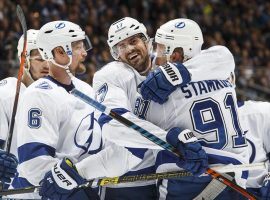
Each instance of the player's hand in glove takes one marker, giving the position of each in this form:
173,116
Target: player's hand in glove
194,158
61,182
8,166
161,82
265,189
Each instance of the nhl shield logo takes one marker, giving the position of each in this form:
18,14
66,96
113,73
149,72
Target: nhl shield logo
180,25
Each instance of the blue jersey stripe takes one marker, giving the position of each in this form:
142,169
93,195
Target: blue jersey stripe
138,152
104,119
218,159
32,150
165,157
19,182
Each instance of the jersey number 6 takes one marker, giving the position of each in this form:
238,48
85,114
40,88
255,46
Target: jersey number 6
34,119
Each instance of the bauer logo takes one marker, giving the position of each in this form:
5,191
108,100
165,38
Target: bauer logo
60,25
180,25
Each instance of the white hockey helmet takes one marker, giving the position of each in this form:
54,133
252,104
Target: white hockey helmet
59,33
122,29
183,33
31,43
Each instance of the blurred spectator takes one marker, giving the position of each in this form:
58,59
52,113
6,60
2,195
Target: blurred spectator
243,27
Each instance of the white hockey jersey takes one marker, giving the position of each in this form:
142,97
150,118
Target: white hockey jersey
7,97
257,114
53,125
206,107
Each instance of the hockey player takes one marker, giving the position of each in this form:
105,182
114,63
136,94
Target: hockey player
124,41
256,115
211,104
34,68
51,120
129,45
55,125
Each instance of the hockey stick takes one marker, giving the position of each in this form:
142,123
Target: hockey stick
156,140
140,177
108,181
19,80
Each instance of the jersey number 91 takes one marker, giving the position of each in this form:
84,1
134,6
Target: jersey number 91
208,120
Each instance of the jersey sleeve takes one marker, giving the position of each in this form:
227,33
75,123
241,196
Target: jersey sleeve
215,63
37,136
266,129
3,124
112,161
115,96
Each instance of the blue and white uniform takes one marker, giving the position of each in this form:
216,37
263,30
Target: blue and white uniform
116,85
209,109
53,125
257,114
7,97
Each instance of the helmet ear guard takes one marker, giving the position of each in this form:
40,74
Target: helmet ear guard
184,33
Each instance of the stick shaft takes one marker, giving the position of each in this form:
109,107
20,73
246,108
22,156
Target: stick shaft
140,177
108,181
19,78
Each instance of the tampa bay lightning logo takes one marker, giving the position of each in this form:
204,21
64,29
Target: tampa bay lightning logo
44,85
88,135
120,25
60,25
180,25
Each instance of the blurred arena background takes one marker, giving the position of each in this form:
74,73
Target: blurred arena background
242,26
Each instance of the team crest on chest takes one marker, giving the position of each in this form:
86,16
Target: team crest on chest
3,82
44,85
87,135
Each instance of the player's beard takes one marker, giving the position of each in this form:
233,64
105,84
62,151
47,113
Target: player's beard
140,63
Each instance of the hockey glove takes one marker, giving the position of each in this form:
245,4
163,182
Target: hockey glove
265,189
60,182
8,166
161,82
194,158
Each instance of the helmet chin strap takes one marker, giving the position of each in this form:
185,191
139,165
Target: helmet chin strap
66,67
